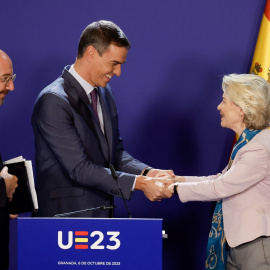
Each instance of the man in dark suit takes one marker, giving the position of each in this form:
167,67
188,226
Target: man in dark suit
75,123
8,182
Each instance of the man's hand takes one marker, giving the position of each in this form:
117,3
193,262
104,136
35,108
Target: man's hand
160,173
154,189
10,181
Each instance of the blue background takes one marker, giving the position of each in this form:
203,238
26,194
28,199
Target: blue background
166,96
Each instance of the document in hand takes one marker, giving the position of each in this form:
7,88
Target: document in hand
25,197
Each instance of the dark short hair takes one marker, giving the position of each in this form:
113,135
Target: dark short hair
101,35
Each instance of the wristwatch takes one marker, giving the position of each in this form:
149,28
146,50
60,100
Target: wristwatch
146,171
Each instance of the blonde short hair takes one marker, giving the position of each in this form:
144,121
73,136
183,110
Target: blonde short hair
251,93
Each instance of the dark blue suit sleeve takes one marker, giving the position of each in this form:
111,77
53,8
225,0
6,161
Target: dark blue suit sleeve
124,161
3,196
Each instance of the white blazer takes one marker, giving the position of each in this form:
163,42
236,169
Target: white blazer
244,189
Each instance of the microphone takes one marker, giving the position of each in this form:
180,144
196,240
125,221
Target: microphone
104,207
114,175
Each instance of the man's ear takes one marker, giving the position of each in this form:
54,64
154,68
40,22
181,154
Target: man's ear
90,53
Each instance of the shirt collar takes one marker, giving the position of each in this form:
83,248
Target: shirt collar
88,88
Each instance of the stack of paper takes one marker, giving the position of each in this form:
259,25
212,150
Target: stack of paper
25,197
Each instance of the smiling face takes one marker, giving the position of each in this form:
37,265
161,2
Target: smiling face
6,70
103,68
232,115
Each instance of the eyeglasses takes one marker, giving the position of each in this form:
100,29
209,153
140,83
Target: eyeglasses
7,79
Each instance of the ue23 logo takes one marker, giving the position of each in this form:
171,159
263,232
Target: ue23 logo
81,240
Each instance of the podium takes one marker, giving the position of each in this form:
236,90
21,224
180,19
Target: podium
89,243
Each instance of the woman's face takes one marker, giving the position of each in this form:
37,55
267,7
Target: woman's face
232,115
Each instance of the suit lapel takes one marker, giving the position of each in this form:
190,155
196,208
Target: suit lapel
78,99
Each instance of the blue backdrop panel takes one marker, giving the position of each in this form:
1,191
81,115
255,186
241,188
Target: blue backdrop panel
167,94
89,243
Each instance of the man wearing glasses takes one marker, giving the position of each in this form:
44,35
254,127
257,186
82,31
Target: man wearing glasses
8,182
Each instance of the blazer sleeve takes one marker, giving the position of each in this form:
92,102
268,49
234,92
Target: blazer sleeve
3,196
128,164
124,161
249,169
203,178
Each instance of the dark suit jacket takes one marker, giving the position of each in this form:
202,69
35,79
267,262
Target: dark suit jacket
72,153
4,227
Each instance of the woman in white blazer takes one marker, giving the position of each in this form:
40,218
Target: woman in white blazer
240,229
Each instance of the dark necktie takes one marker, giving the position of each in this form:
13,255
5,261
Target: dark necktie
94,99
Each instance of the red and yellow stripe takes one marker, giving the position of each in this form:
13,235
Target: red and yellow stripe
261,58
81,239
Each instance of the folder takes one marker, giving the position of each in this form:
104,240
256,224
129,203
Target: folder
25,197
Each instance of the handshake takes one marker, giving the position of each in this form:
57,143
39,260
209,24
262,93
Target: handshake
158,184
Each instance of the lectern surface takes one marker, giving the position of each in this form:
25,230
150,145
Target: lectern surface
72,243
